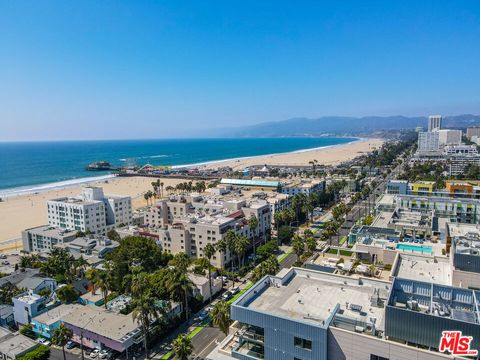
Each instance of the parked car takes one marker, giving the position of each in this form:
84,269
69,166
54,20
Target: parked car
235,290
70,344
227,295
103,353
94,353
203,315
44,342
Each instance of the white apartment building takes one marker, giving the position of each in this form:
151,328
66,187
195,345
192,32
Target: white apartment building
91,211
473,132
278,203
434,122
460,150
44,238
428,141
304,187
449,137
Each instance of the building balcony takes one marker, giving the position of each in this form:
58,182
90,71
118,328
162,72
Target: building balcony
248,350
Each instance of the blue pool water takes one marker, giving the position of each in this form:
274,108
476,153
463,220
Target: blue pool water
421,249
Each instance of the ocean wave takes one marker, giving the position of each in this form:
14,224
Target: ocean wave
31,189
144,157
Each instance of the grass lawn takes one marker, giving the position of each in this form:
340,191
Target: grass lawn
240,293
283,256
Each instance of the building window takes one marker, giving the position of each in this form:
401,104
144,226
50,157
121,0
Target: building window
376,357
303,343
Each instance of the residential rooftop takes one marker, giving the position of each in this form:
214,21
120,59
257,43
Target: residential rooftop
435,300
103,322
57,313
423,268
50,231
313,297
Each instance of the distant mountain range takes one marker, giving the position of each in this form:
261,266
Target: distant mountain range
342,125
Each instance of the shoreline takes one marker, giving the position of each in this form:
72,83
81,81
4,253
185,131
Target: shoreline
64,184
23,211
300,151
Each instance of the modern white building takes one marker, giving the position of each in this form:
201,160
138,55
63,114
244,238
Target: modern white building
428,141
434,122
303,187
44,238
435,140
91,211
449,137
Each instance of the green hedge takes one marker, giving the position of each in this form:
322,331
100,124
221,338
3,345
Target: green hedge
40,353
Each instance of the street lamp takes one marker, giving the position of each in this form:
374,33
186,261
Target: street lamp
81,334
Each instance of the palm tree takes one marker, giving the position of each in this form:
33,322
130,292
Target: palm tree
179,286
278,219
209,251
103,285
230,239
221,315
144,311
181,262
253,224
161,188
182,347
221,246
61,336
298,245
139,284
241,246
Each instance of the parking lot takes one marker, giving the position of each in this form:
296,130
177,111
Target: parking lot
8,262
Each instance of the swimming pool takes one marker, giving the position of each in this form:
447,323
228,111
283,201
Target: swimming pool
422,249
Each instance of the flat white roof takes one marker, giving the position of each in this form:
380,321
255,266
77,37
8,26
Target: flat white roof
103,322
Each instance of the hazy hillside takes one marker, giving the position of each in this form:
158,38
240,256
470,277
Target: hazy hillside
344,125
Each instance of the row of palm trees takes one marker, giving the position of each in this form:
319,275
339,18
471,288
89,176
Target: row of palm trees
199,186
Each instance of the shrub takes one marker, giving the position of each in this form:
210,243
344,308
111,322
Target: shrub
40,353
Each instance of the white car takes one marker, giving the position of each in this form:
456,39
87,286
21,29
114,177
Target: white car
44,342
94,353
103,354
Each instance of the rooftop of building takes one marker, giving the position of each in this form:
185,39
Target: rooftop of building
17,276
56,314
434,299
103,322
32,282
28,298
423,268
312,297
465,238
15,344
75,200
51,231
247,182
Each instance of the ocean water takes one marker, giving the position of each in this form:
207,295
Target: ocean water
33,166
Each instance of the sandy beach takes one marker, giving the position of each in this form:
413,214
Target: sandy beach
24,211
327,156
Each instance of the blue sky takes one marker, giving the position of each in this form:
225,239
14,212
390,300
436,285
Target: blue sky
136,69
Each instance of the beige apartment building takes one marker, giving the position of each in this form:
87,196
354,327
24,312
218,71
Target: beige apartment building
187,223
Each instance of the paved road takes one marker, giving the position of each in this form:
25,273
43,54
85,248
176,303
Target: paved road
205,341
288,261
56,354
